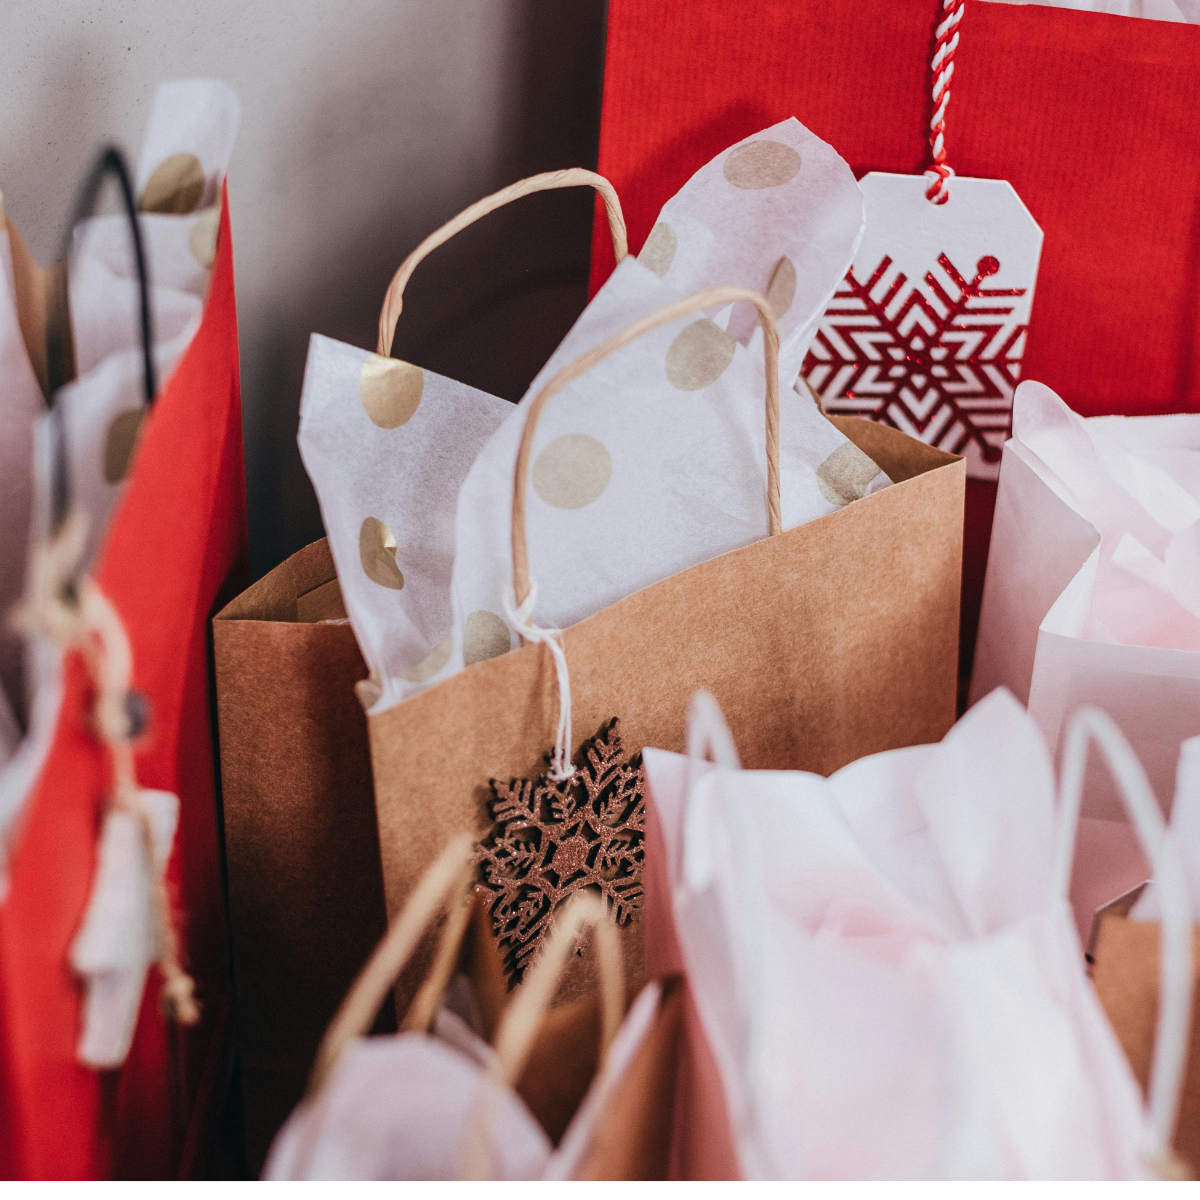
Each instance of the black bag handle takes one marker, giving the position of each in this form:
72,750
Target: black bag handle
109,162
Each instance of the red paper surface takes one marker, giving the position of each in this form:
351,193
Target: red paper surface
1094,119
176,537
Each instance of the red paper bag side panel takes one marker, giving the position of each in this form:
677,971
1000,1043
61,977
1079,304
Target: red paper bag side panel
178,533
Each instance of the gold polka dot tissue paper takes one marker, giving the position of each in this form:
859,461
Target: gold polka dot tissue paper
654,460
185,154
387,445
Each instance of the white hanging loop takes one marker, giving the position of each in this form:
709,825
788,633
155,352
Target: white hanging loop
561,767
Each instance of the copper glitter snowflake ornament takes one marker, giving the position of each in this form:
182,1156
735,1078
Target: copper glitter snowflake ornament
554,838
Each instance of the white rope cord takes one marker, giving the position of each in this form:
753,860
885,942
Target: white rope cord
1173,1032
561,766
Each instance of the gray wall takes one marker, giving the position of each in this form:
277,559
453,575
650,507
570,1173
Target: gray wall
365,124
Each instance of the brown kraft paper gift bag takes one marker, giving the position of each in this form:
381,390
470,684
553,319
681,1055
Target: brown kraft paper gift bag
305,892
833,640
1126,975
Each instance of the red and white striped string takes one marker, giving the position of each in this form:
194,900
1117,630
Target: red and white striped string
941,70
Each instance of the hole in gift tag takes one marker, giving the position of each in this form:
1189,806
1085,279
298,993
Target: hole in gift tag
377,551
175,186
699,356
390,389
572,471
659,251
764,164
119,443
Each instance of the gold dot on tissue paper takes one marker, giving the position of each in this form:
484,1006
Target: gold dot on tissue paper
485,636
377,551
757,165
781,291
390,389
699,355
658,253
175,186
846,474
432,663
202,241
119,443
572,471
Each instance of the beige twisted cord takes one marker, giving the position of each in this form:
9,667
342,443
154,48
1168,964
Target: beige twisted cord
448,877
585,362
109,656
393,301
519,1027
72,611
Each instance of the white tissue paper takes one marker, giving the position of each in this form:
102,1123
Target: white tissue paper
889,984
399,1107
118,941
387,446
655,460
1091,598
183,163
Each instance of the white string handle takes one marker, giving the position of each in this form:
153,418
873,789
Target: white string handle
1174,1026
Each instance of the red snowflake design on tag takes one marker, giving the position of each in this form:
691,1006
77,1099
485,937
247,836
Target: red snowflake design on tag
938,366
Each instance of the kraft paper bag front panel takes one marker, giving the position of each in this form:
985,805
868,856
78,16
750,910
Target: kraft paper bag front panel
1126,975
305,891
833,640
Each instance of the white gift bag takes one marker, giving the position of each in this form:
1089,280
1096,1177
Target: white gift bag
1091,598
883,965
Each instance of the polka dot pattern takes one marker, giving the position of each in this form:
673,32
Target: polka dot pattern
202,241
781,291
485,636
699,356
175,186
763,164
846,474
119,443
572,471
432,663
659,251
391,390
377,552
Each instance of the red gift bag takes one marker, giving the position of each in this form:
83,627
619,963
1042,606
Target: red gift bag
1092,118
176,544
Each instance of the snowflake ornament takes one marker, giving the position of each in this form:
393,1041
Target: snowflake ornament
554,838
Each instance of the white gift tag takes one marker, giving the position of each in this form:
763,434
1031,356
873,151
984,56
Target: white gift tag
116,944
927,330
